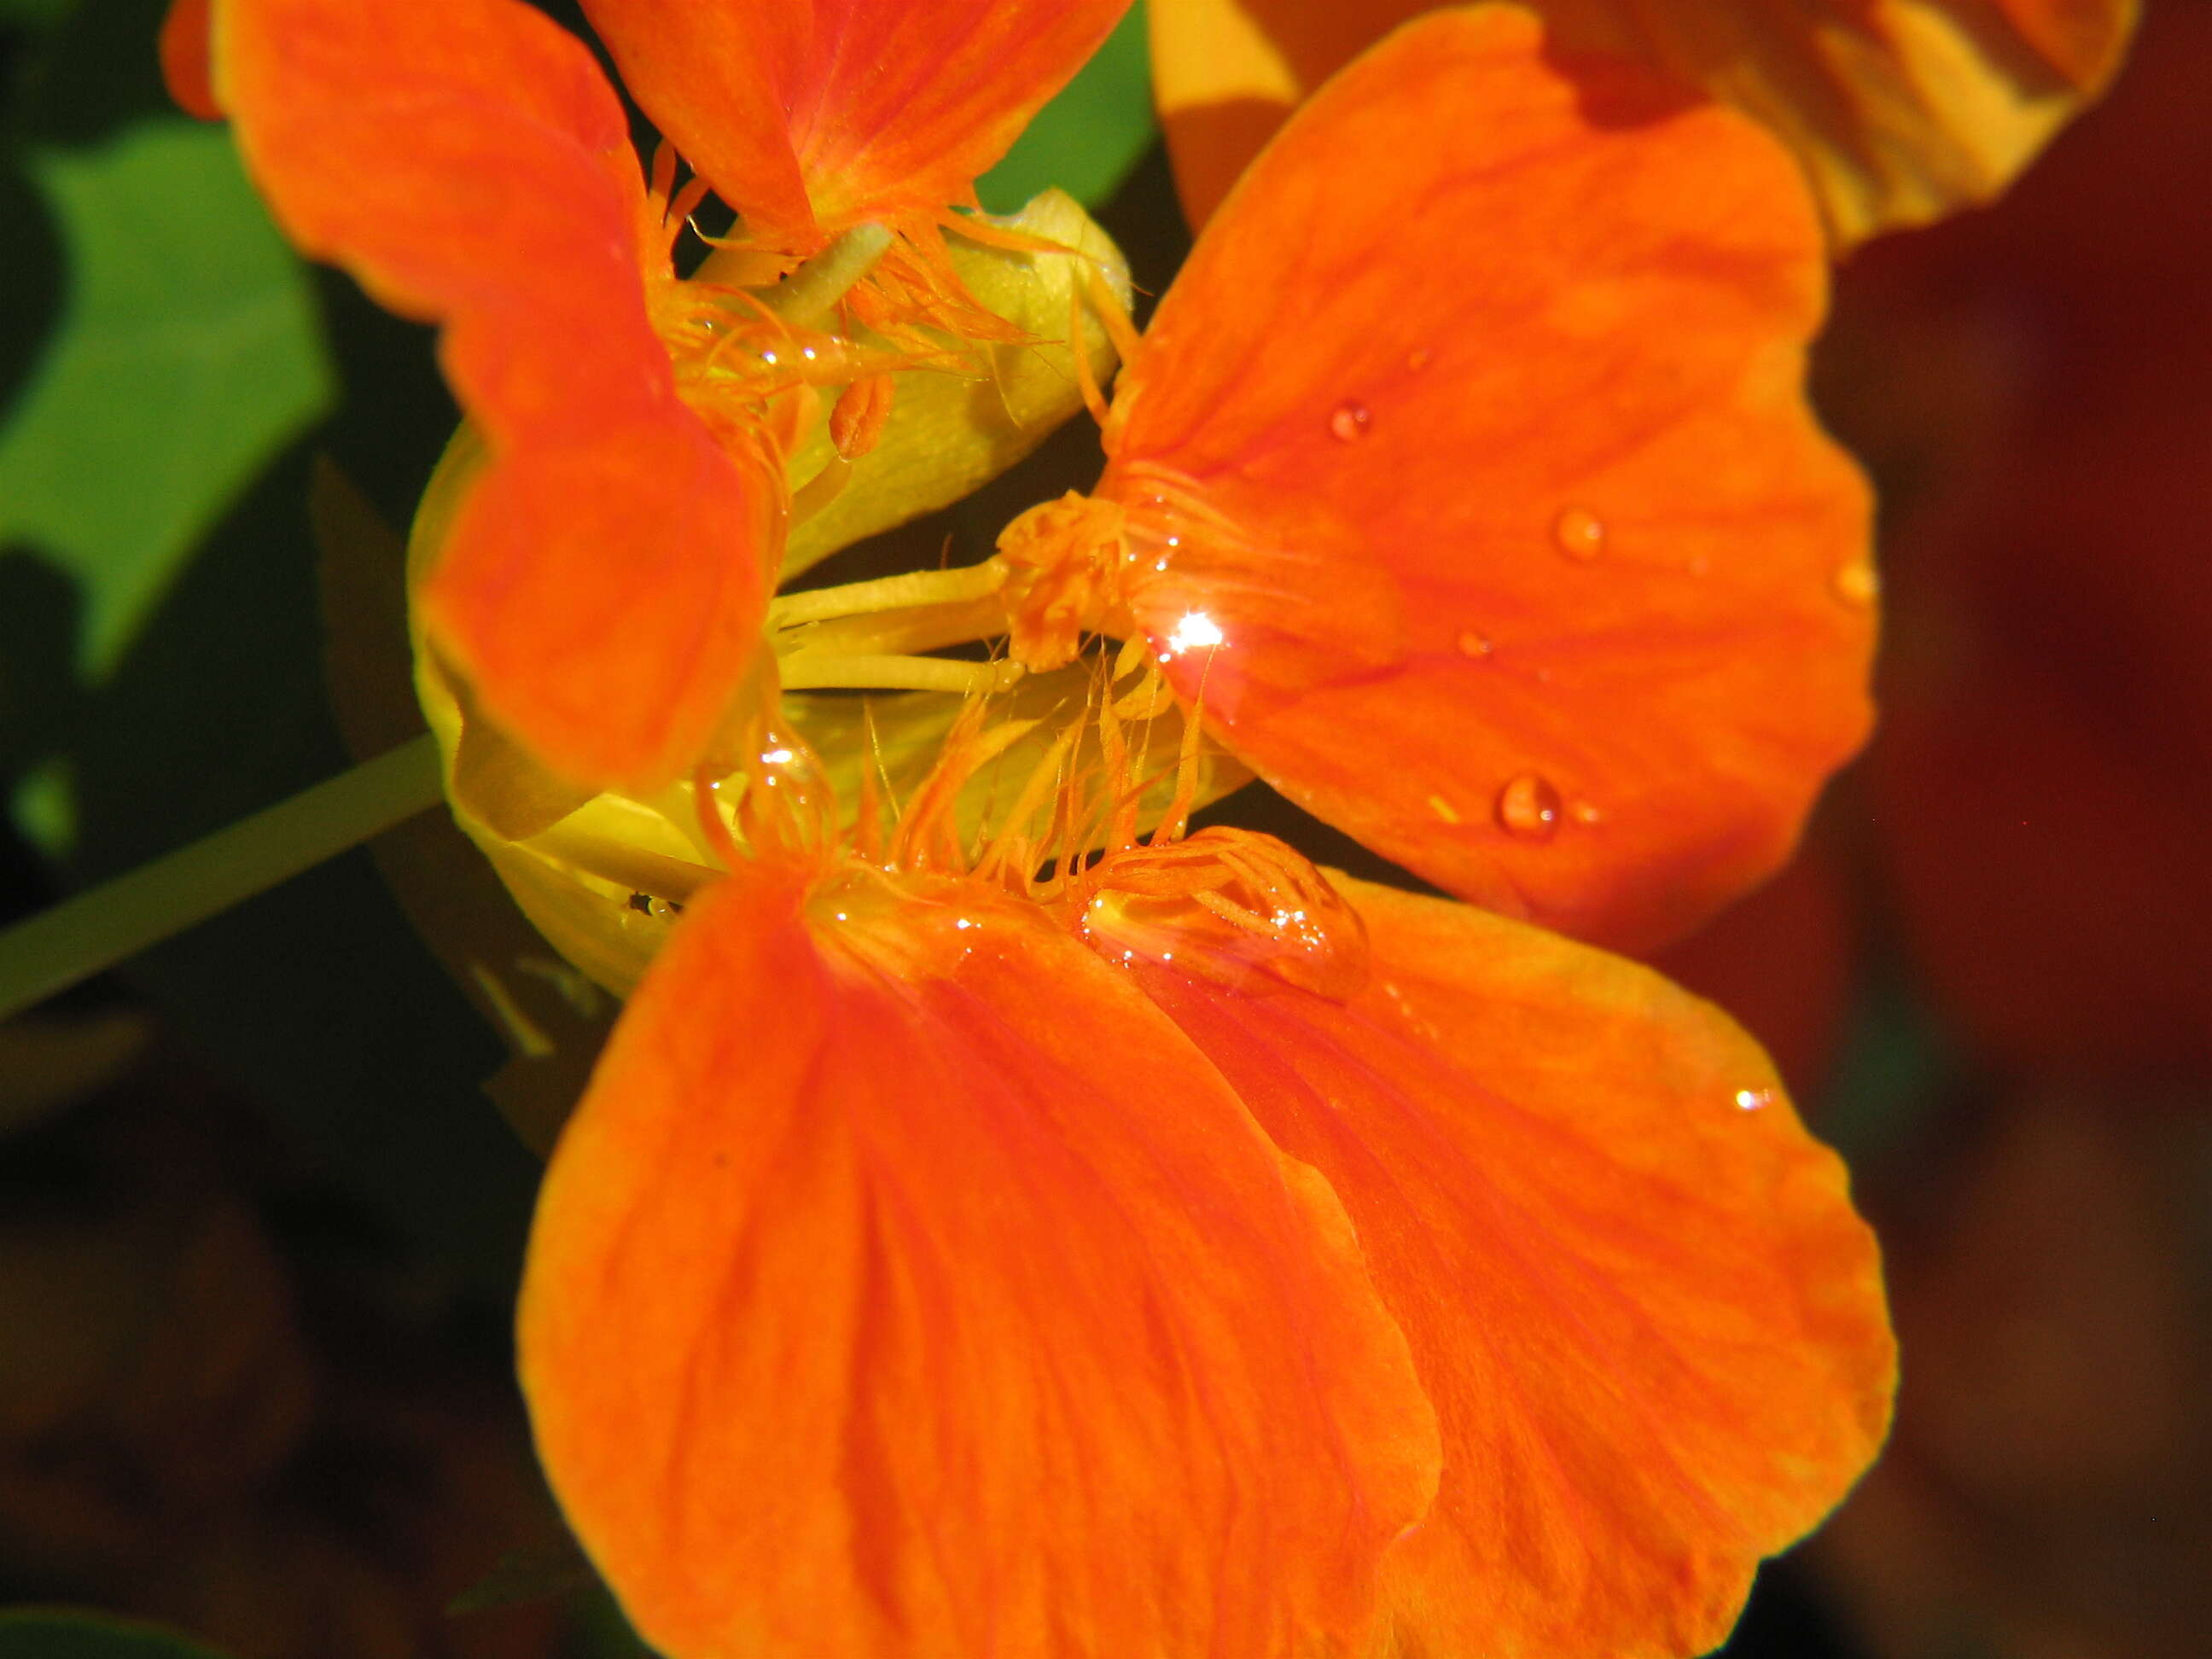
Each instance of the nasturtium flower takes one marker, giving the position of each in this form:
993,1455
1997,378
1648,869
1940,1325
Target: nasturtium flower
1900,111
994,1227
992,1230
602,587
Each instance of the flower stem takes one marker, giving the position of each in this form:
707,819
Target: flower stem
104,924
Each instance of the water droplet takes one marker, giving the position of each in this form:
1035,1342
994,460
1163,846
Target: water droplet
1350,421
1419,359
1750,1100
1856,584
1579,534
1584,812
1270,918
1479,647
1529,806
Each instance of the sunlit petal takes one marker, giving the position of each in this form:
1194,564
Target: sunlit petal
1899,110
1474,429
471,165
1636,1290
810,116
906,1286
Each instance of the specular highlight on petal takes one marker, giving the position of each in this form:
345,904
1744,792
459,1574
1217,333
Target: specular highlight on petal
906,1286
469,163
1652,1326
811,116
1473,433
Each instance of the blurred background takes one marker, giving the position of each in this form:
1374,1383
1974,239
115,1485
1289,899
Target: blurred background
260,1224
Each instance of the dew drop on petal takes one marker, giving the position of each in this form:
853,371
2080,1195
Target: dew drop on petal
1750,1100
1350,420
1272,919
1529,807
1583,812
1475,647
1579,533
1856,584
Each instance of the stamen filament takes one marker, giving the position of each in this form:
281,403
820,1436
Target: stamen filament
909,633
117,920
818,491
1114,316
815,671
900,592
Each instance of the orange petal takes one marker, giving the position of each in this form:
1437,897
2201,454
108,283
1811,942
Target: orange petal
905,1284
1900,110
184,47
469,164
601,598
1652,1326
811,116
1534,572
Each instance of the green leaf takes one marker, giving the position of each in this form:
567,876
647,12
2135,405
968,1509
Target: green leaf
62,1633
1087,140
34,14
186,357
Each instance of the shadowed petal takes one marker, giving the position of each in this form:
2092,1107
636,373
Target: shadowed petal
184,48
812,116
1474,429
1899,110
1636,1290
469,164
905,1284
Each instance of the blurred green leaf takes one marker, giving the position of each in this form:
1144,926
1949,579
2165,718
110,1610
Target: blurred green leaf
1088,139
61,1633
521,1578
1897,1067
34,14
186,356
603,1632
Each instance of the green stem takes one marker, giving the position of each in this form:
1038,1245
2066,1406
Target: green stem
104,924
